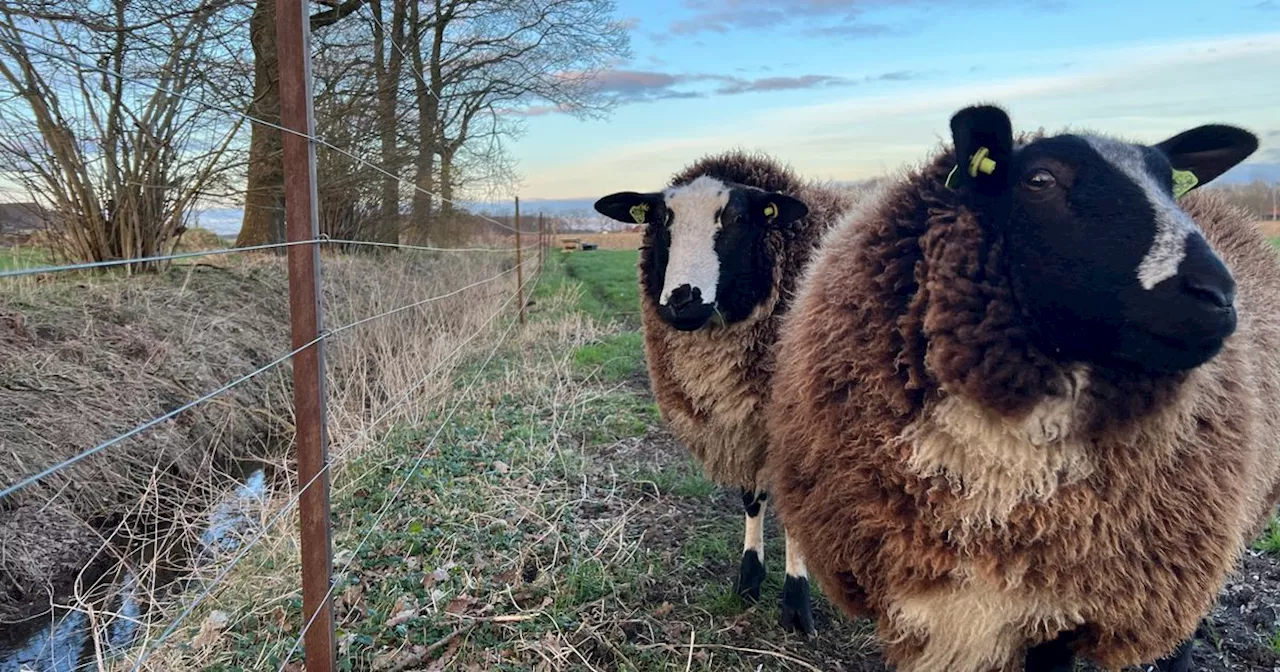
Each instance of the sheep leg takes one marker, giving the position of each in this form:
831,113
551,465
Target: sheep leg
1055,655
1179,660
751,570
797,611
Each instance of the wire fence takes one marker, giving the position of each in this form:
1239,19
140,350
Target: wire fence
513,285
506,307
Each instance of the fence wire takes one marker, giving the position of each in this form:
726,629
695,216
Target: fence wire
244,550
148,647
411,474
236,113
235,383
42,270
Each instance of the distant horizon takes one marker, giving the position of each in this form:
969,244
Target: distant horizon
226,221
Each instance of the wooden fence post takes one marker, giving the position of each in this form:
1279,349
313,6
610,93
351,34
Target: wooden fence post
519,267
306,317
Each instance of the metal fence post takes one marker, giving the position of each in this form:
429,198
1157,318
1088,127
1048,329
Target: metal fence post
305,313
519,267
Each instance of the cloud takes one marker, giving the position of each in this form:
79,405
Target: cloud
781,84
1268,5
827,18
1124,90
642,86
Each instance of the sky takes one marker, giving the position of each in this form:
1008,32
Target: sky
847,90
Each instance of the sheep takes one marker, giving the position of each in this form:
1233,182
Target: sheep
723,247
1029,417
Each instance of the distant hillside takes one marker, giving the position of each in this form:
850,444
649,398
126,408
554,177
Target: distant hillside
1246,173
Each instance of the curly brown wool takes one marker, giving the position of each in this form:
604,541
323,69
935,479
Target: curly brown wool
975,497
711,384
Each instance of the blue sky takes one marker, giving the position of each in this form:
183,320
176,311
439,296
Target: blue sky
847,90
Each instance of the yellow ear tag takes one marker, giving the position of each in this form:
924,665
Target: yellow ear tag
639,212
979,163
770,212
1183,182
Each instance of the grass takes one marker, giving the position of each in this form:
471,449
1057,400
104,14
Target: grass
552,524
613,358
611,291
15,258
1269,542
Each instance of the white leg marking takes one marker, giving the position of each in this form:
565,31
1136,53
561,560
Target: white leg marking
795,560
755,532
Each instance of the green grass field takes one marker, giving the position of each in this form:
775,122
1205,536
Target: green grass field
14,258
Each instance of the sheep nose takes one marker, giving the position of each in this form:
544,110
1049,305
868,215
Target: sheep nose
1216,291
1204,277
684,297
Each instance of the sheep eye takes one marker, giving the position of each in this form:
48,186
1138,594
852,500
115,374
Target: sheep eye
1040,180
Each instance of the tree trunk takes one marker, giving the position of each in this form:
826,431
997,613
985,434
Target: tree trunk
263,221
388,64
448,223
428,99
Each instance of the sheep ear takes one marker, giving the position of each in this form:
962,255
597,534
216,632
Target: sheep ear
983,137
632,207
776,208
1204,153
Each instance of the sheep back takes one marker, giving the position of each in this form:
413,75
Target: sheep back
711,384
975,497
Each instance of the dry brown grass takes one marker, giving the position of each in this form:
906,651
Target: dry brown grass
1270,229
91,356
621,240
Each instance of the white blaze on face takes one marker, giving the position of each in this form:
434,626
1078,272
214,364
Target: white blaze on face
692,259
1173,225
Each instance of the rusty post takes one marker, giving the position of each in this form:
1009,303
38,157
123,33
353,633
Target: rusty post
302,223
519,267
542,242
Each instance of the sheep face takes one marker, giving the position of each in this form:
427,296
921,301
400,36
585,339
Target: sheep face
705,248
1106,266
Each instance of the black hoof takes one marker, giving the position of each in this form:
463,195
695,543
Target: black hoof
797,612
1179,660
750,577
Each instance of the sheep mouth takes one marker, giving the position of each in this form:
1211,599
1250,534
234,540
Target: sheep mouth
1176,352
689,319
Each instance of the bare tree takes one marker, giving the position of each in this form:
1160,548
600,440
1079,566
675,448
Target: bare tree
481,61
344,82
264,204
112,149
1257,197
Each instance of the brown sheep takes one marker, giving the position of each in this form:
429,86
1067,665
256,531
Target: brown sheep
1032,415
723,247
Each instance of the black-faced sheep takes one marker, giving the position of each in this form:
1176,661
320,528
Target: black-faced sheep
1033,416
723,247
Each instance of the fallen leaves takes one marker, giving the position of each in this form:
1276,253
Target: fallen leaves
405,609
211,629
